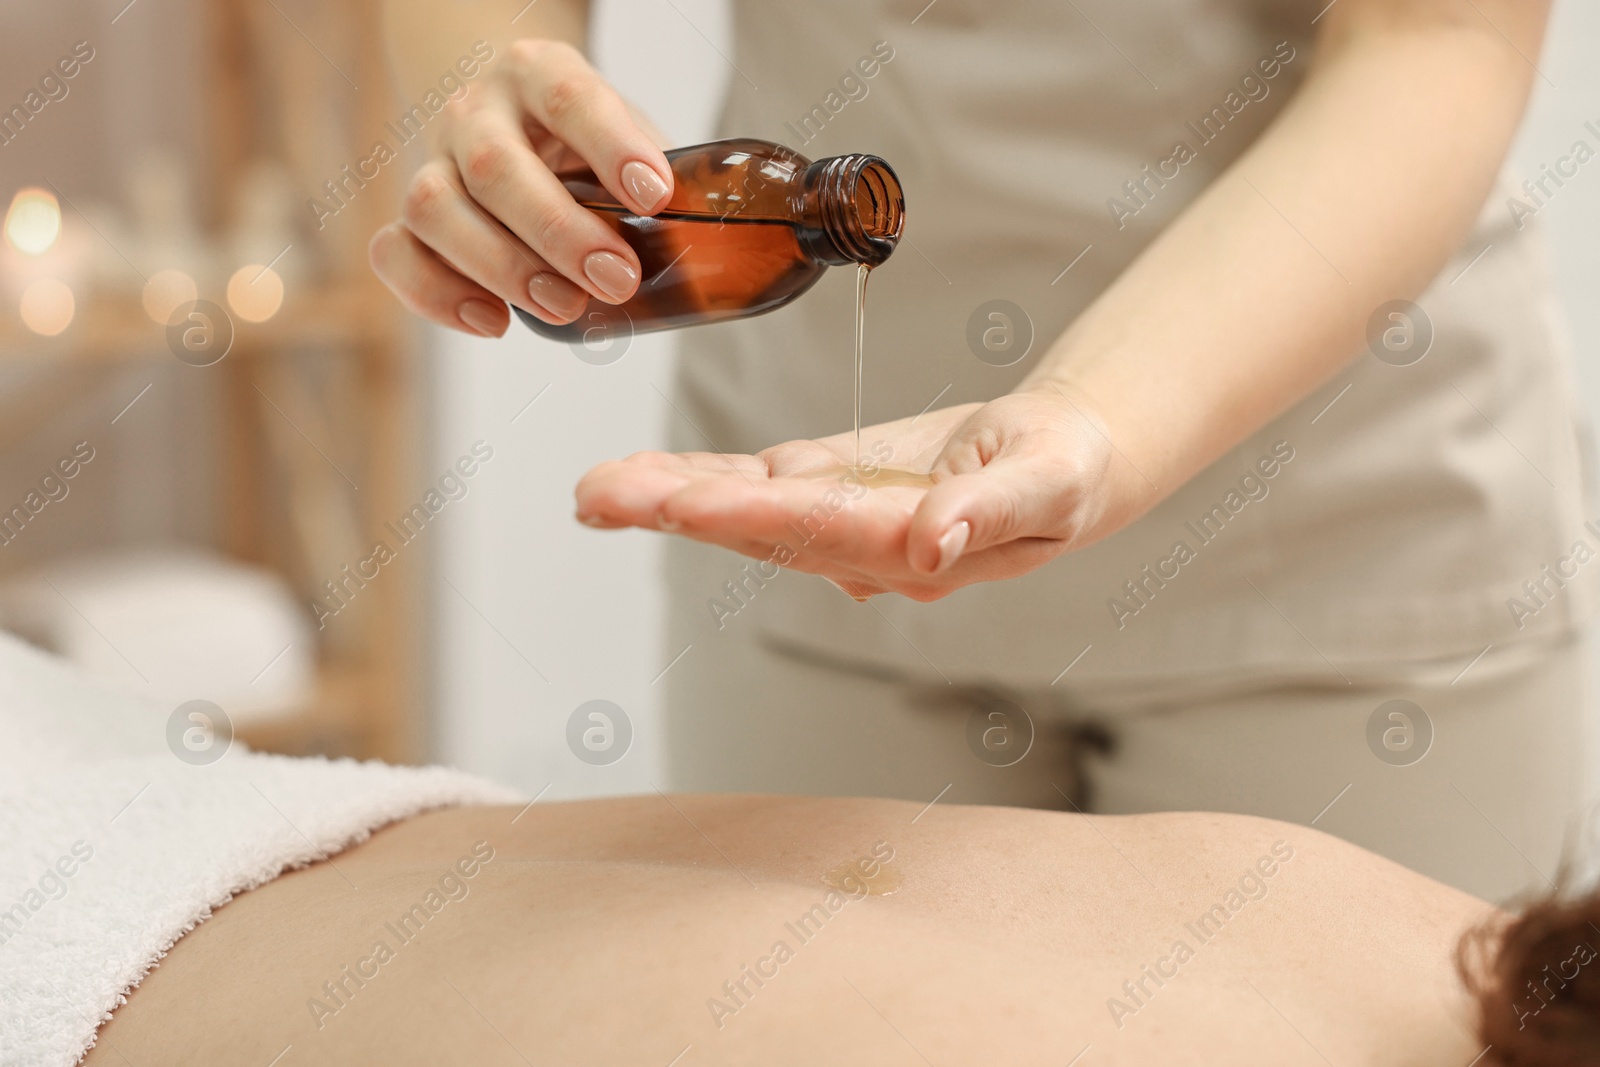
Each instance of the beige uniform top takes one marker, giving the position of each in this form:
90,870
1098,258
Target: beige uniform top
1408,507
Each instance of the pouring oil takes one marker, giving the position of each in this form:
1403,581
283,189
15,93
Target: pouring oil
750,226
872,475
862,270
770,222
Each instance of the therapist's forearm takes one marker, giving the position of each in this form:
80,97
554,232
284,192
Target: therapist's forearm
427,36
1357,195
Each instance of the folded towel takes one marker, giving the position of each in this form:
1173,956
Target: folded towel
112,846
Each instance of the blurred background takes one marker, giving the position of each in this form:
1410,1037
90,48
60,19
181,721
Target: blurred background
351,532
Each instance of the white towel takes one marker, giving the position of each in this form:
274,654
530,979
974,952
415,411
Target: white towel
111,847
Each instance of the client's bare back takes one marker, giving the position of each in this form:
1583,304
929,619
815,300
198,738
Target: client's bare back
735,930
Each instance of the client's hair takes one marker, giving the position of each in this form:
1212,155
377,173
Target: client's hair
1536,979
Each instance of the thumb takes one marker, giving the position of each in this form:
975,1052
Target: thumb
1009,498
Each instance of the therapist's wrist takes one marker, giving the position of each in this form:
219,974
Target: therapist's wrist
1106,486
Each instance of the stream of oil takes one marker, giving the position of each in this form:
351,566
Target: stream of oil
875,477
862,270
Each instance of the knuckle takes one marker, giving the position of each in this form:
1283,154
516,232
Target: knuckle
987,441
1072,526
426,197
553,232
490,162
439,303
562,54
1003,523
531,51
506,275
568,95
455,113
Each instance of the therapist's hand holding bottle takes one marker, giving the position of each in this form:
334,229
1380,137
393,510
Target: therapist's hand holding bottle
486,222
1251,298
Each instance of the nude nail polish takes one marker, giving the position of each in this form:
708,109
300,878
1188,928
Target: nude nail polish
481,318
952,544
611,274
559,297
643,184
692,264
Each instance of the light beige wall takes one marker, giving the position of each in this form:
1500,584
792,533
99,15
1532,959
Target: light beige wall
580,605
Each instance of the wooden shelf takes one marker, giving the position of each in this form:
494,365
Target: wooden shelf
269,98
114,329
337,722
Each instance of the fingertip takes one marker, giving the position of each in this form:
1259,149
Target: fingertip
376,245
483,318
545,316
922,551
943,527
650,457
668,518
614,278
649,187
858,591
556,300
951,544
933,552
426,285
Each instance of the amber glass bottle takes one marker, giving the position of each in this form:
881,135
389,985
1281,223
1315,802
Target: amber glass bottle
750,226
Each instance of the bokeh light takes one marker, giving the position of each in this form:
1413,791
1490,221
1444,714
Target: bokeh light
48,307
255,293
166,292
34,222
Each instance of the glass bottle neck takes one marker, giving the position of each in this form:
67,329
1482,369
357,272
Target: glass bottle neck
854,209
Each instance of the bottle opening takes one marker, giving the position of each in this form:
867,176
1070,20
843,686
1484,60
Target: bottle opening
862,208
879,204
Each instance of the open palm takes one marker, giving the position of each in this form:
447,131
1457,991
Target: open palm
1011,485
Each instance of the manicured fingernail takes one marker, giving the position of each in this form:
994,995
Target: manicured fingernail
952,544
611,274
481,318
666,524
590,520
559,297
644,183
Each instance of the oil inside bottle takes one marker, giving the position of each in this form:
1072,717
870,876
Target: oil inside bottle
749,227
